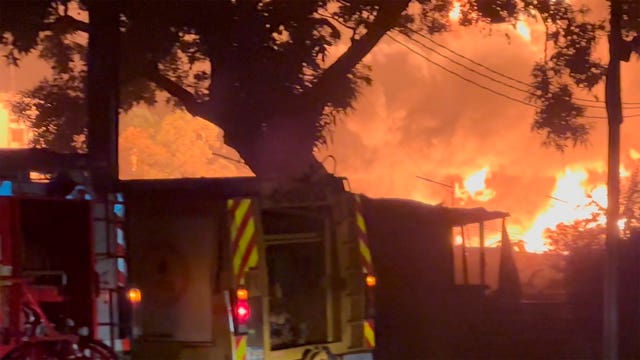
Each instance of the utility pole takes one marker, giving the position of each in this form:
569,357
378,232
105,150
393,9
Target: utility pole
102,93
614,114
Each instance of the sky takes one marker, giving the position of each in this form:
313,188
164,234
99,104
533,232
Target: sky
419,120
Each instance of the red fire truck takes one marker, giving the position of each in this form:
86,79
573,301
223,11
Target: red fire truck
49,286
62,262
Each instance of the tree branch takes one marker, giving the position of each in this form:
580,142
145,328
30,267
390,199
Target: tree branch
66,23
187,98
340,22
386,18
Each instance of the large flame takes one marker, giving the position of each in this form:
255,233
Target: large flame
456,12
474,187
523,30
572,199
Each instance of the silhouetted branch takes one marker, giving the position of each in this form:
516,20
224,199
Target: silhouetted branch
386,18
187,98
67,23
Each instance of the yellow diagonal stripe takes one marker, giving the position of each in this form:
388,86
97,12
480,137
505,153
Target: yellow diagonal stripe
241,212
253,258
361,223
364,250
245,239
241,349
369,334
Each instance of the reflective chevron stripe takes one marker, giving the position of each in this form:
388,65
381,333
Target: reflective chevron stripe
240,347
363,239
243,237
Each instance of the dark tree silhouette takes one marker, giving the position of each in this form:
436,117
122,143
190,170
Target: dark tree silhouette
258,69
570,66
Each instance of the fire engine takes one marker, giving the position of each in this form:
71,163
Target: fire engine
62,261
248,269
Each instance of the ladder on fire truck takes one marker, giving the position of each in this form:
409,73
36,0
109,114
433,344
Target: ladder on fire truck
109,242
111,265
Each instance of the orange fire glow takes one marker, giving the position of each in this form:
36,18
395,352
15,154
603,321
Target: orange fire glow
4,126
523,30
474,187
456,12
572,199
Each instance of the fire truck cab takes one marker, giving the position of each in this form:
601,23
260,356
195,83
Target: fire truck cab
243,269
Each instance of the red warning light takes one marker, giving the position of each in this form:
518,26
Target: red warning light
243,311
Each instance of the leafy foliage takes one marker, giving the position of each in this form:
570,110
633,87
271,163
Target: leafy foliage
56,111
153,147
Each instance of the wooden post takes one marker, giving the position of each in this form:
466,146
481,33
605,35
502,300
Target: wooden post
465,266
483,265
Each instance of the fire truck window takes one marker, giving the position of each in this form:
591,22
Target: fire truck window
297,307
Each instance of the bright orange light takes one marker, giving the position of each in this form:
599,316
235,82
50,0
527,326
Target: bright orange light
635,155
242,294
572,199
523,29
476,181
621,224
624,172
475,187
370,280
4,126
134,295
458,240
456,12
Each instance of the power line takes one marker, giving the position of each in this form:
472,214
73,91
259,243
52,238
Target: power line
492,78
468,67
496,72
460,76
484,87
435,182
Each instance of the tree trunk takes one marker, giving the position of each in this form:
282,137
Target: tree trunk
279,147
